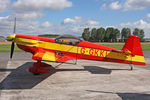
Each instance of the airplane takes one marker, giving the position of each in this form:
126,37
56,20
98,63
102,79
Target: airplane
68,47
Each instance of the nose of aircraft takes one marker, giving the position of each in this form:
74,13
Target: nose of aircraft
11,37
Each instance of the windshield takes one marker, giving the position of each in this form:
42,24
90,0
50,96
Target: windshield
68,39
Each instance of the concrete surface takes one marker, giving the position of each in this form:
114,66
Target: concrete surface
88,80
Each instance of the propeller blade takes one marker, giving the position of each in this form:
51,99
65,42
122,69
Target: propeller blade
12,49
14,26
13,36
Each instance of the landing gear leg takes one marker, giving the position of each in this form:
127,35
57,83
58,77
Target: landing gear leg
38,68
131,67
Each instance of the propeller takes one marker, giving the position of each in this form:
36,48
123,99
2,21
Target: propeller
13,43
14,26
12,49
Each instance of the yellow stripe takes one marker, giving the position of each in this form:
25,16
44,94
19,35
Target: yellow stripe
48,56
79,50
39,55
46,45
122,56
109,54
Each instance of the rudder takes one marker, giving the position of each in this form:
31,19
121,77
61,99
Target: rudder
133,46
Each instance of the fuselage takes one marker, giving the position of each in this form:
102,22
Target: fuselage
80,50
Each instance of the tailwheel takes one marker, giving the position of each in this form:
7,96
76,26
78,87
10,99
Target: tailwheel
38,69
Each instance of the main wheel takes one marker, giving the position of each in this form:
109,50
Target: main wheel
36,73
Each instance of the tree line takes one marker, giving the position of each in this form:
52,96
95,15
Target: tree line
110,34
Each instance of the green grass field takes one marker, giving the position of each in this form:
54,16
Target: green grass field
5,46
145,46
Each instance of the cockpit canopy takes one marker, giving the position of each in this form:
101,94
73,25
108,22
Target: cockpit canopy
68,39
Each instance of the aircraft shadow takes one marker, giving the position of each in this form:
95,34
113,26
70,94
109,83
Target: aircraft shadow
20,78
97,70
100,70
92,69
127,96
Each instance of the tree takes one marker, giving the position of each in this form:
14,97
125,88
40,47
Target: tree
139,33
136,32
142,35
100,34
109,34
94,34
125,33
112,34
86,34
116,34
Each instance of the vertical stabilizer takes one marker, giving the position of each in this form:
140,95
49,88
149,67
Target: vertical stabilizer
133,46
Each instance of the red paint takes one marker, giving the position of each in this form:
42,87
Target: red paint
35,38
27,49
96,46
101,53
96,52
108,59
91,52
132,44
38,69
78,56
83,51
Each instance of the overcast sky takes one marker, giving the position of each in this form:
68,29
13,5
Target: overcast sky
72,16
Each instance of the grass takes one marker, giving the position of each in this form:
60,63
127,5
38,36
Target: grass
6,46
113,45
145,45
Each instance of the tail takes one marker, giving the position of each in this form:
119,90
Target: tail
133,47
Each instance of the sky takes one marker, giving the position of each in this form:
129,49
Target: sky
36,17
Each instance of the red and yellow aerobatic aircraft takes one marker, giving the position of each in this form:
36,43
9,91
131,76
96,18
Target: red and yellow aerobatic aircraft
67,47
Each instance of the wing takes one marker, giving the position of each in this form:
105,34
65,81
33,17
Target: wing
52,56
